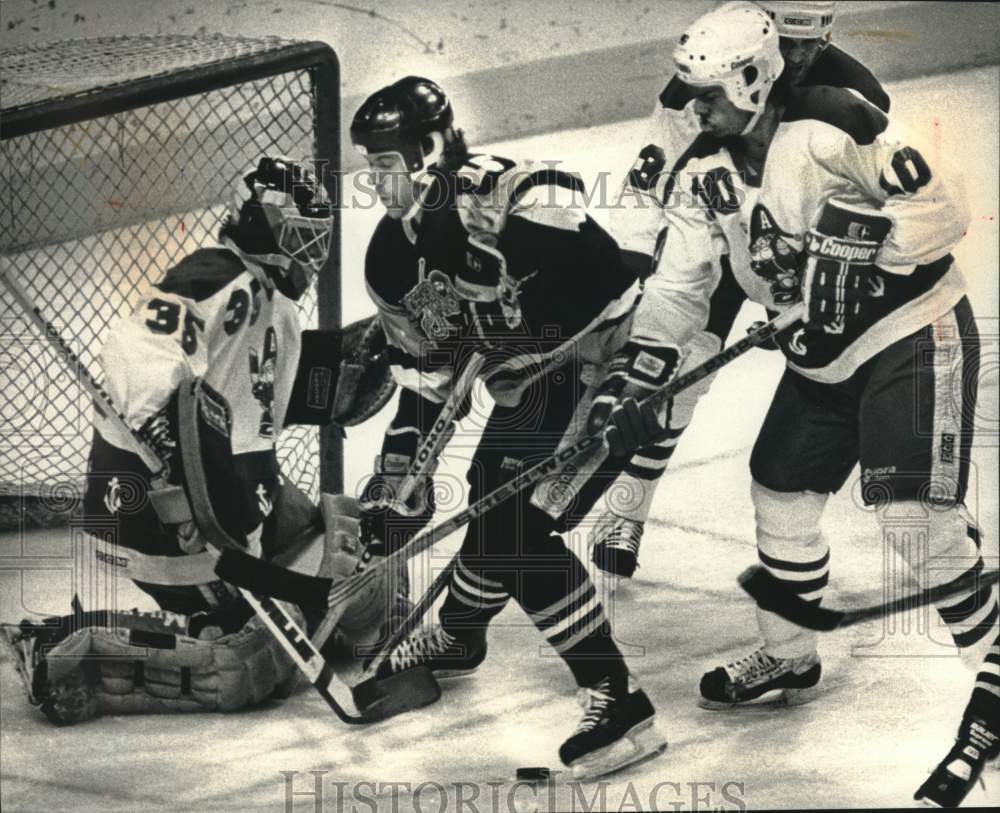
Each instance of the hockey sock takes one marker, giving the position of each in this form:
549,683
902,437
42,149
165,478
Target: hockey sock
557,594
791,547
985,701
473,598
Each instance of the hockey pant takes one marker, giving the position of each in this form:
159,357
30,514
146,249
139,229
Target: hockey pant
907,416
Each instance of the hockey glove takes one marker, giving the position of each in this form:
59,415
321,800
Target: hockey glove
385,520
635,372
841,251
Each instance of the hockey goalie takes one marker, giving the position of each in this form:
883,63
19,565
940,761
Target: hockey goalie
209,368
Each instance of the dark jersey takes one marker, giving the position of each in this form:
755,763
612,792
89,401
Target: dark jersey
501,259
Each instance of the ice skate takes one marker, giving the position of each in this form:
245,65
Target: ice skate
615,551
617,729
446,655
748,679
952,780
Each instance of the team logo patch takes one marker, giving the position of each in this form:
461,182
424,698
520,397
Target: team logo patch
772,256
431,301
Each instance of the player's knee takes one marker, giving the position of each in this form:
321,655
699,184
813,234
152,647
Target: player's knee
946,547
786,519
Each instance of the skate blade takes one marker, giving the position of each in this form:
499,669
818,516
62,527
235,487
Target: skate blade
773,699
451,674
641,743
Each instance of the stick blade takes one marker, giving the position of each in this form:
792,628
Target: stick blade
773,595
405,691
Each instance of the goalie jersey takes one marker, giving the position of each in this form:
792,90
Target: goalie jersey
215,316
501,257
828,142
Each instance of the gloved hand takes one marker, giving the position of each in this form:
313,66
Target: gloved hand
635,372
839,276
386,522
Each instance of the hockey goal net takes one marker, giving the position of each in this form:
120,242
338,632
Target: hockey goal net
117,156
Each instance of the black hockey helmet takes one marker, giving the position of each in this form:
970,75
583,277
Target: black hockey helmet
401,118
285,216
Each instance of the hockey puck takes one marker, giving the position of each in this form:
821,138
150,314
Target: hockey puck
533,774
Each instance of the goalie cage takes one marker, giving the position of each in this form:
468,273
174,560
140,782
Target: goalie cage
117,156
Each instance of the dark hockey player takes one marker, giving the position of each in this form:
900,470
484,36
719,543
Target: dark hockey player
638,223
815,197
204,369
479,253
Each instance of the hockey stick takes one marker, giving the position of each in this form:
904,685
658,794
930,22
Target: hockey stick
290,636
533,475
429,450
772,594
240,568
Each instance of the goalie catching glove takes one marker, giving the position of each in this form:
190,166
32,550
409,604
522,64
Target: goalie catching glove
638,370
343,375
841,250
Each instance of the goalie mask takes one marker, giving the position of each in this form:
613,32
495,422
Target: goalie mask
735,47
284,221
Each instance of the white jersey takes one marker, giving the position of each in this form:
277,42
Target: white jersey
639,218
828,143
218,317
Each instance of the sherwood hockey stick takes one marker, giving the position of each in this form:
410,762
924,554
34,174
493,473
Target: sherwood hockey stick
772,594
431,446
292,638
240,568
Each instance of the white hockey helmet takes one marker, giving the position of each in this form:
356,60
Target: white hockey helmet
736,48
802,20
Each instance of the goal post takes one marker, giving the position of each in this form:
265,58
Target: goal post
117,158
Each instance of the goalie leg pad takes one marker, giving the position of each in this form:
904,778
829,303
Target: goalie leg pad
139,665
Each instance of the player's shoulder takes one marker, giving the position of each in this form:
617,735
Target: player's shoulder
387,261
540,191
503,180
837,107
837,68
202,274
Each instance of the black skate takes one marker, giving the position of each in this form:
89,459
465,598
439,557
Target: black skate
446,655
618,729
616,549
747,679
956,776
